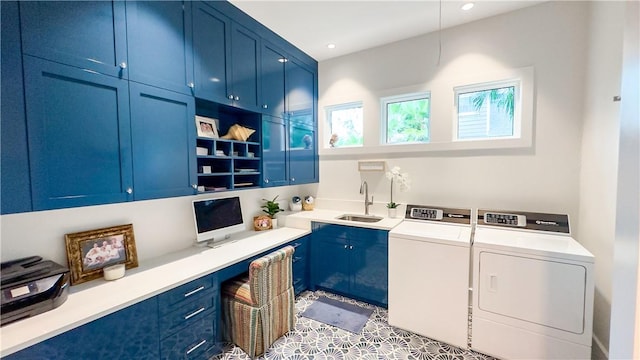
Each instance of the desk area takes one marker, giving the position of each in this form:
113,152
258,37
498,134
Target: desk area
97,299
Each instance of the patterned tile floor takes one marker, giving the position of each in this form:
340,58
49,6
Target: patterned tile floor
378,340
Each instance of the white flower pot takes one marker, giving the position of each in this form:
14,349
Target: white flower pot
274,223
393,212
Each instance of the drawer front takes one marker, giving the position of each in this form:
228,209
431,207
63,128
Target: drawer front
333,231
169,300
192,342
187,313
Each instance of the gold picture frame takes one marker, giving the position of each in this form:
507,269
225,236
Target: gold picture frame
88,252
262,222
207,127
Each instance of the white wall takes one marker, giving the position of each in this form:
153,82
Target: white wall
598,173
160,226
625,305
550,37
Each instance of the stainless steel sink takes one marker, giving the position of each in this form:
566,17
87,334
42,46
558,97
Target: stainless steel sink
360,218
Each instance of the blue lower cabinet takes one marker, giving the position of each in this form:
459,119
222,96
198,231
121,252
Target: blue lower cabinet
351,261
197,341
301,264
131,333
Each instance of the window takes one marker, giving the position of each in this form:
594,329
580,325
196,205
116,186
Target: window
345,125
405,118
487,111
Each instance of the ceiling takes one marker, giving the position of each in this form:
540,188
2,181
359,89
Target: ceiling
357,25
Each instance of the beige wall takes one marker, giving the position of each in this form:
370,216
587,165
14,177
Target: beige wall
551,38
598,173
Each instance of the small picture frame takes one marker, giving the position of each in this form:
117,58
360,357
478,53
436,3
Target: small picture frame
262,222
207,127
88,252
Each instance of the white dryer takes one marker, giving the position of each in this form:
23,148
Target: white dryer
533,288
429,255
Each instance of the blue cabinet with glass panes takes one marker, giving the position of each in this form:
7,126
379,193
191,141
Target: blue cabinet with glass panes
291,154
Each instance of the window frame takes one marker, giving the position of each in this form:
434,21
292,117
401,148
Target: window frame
384,116
341,106
516,83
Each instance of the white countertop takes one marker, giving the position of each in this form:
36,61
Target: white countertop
303,219
95,299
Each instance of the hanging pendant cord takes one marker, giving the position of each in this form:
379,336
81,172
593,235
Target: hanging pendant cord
439,33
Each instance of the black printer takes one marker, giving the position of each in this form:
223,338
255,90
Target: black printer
31,286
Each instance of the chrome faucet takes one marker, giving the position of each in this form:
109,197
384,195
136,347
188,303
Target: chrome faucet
364,189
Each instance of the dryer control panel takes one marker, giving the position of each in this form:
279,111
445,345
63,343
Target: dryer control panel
555,223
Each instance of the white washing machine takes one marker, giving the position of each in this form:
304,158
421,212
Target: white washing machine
532,288
429,256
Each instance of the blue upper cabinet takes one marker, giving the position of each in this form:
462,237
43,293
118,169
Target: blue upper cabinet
226,59
274,152
15,182
301,102
86,34
159,44
245,50
78,136
273,65
163,139
211,38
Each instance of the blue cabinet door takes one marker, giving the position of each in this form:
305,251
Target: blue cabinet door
131,333
79,136
15,182
303,154
272,80
163,138
159,44
274,153
85,34
245,48
369,266
211,38
301,99
330,260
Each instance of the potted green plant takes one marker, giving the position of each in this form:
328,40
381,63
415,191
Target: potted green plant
272,207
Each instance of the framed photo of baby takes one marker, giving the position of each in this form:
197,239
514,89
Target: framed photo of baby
88,252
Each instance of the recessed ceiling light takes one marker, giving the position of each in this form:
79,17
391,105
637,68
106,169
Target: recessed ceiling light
331,46
467,6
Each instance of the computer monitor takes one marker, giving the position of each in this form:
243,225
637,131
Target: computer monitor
217,219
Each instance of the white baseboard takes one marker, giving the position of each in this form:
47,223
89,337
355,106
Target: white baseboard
600,348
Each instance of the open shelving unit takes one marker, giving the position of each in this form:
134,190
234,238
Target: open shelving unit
224,164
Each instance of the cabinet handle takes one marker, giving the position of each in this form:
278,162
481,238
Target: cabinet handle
236,98
293,179
123,65
266,181
191,85
346,246
296,259
296,245
129,191
195,186
197,346
350,247
265,106
194,291
230,97
187,317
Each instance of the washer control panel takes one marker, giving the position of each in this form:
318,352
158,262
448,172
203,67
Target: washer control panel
505,219
426,213
438,214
